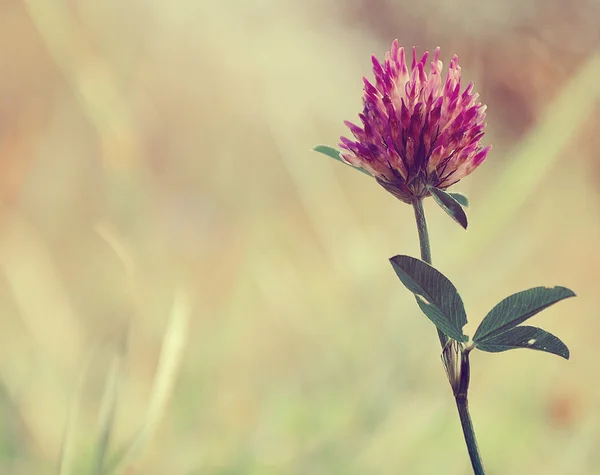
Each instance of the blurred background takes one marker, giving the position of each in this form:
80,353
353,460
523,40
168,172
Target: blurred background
185,288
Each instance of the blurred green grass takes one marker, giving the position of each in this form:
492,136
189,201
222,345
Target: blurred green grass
148,150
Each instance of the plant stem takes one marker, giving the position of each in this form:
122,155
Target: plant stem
425,247
461,395
465,420
462,387
422,228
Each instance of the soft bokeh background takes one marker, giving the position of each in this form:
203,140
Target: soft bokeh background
184,282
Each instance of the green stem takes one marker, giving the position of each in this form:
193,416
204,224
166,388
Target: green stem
467,426
423,233
462,388
425,247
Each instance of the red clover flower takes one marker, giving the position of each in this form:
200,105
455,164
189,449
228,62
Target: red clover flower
417,130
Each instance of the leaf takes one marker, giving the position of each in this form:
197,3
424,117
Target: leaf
329,151
517,308
450,205
436,295
525,337
461,198
335,154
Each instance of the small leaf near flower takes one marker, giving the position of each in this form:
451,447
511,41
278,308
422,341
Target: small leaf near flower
525,337
335,154
517,308
436,295
461,198
329,151
450,205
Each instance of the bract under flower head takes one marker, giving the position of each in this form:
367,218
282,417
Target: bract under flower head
417,130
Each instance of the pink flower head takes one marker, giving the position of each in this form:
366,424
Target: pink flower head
417,130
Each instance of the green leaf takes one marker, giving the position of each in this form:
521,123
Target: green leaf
335,154
436,295
461,198
517,308
450,205
525,337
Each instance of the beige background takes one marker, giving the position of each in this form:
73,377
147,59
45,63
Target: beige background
156,179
